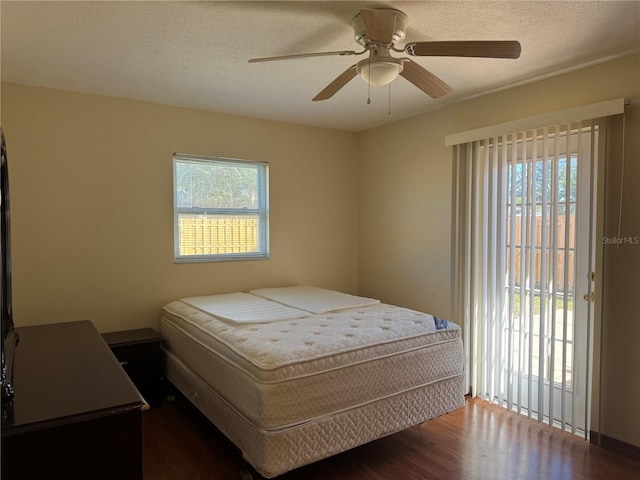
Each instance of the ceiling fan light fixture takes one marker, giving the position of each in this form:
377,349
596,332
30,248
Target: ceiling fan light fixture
379,70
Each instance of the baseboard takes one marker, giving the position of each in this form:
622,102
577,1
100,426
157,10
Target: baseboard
614,445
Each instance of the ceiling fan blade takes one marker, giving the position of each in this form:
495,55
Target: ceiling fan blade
378,24
305,55
424,79
480,48
331,89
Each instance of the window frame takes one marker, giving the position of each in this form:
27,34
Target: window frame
262,212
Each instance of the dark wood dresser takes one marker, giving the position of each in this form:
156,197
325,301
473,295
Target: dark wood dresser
75,414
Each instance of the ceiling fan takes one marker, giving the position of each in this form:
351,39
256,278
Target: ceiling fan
378,31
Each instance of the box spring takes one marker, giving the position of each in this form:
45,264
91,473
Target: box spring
273,453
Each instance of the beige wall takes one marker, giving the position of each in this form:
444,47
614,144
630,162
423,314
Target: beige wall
405,205
379,226
92,211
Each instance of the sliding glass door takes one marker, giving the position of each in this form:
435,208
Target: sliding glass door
548,249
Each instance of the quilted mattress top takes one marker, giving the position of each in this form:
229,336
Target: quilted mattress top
280,350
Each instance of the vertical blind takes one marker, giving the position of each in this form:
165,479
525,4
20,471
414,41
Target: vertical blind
522,249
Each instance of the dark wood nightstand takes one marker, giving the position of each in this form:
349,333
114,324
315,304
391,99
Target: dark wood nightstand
140,355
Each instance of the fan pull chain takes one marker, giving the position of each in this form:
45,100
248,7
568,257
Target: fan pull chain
369,82
395,19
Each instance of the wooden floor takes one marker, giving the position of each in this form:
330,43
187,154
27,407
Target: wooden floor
479,441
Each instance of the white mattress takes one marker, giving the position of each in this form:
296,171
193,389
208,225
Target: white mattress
283,373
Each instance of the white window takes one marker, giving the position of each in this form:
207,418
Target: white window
221,209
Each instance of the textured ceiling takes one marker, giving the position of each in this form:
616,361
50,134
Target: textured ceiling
194,54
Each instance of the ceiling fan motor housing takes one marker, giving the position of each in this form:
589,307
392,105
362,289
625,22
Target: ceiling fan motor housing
399,30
